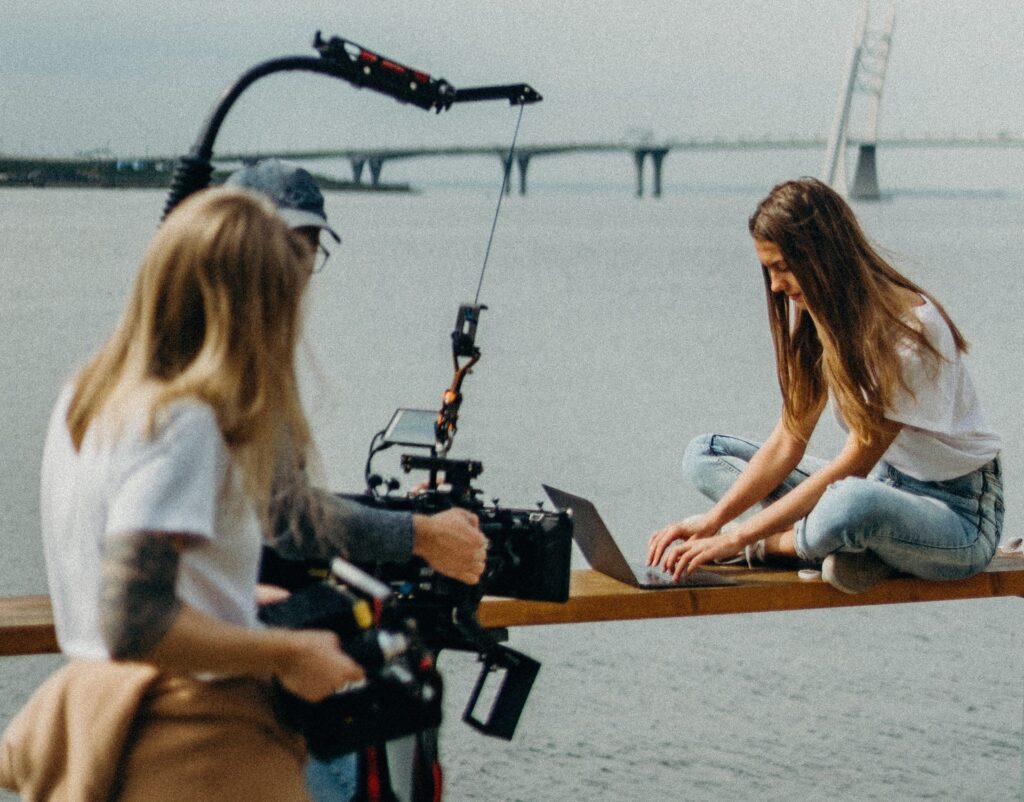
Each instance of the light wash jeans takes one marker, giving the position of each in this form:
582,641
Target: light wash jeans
332,780
934,530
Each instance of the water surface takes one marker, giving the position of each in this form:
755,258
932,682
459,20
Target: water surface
616,330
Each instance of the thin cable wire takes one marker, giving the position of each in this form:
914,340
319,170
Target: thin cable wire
504,183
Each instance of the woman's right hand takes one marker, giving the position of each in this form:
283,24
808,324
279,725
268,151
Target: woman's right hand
696,526
314,665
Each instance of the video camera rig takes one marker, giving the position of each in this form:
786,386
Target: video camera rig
528,557
415,610
528,554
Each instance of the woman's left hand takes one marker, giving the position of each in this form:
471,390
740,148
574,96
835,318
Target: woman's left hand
689,555
694,527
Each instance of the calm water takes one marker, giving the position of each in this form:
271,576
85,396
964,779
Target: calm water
616,331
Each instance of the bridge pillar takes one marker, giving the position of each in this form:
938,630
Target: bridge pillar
865,177
506,172
657,157
523,160
639,156
357,169
376,165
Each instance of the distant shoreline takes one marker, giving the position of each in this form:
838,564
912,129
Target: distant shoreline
58,184
139,174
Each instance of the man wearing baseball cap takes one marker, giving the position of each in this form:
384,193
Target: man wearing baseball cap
450,541
295,192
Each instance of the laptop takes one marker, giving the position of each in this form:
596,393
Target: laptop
604,555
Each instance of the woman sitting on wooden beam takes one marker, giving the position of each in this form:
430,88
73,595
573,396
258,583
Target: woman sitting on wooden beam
916,487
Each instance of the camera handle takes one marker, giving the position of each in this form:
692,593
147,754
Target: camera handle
518,672
458,473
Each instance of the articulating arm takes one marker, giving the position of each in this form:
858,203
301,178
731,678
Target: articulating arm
339,58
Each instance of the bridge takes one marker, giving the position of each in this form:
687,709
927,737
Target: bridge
374,158
149,171
863,77
859,104
640,152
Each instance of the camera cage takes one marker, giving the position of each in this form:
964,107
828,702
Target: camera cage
528,555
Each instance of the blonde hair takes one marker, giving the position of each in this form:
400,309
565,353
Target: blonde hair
855,322
215,315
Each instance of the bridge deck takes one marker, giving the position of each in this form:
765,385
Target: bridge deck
26,624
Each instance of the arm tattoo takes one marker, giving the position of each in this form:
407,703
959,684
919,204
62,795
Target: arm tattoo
137,593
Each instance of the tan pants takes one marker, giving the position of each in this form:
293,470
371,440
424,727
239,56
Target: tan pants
219,741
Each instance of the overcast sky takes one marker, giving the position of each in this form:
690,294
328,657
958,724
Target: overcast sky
140,76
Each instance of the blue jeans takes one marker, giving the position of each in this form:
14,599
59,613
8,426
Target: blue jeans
934,530
331,780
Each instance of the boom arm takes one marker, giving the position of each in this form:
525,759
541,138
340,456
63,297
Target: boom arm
339,58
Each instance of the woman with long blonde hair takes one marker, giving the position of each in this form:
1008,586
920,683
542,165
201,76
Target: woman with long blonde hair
916,487
157,497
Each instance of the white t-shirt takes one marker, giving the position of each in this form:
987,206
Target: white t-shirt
180,480
944,432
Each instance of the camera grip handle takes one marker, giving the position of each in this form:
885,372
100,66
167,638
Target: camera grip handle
520,671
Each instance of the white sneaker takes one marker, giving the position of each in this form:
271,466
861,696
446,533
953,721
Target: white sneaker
854,572
752,554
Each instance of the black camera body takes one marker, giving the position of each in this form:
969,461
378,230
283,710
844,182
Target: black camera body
528,557
528,550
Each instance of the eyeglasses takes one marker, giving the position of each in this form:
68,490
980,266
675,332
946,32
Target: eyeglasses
322,255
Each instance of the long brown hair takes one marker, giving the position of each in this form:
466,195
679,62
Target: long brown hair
215,314
855,321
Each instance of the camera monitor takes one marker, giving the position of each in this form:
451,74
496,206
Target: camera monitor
412,427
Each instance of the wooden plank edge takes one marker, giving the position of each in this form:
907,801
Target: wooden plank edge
622,603
26,624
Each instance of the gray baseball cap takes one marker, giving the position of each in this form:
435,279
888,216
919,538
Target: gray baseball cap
292,189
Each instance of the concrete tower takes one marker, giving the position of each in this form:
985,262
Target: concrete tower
865,74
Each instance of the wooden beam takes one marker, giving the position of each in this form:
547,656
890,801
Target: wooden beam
26,622
26,626
596,597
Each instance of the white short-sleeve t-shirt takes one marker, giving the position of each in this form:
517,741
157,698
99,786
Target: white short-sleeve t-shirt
944,434
179,480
